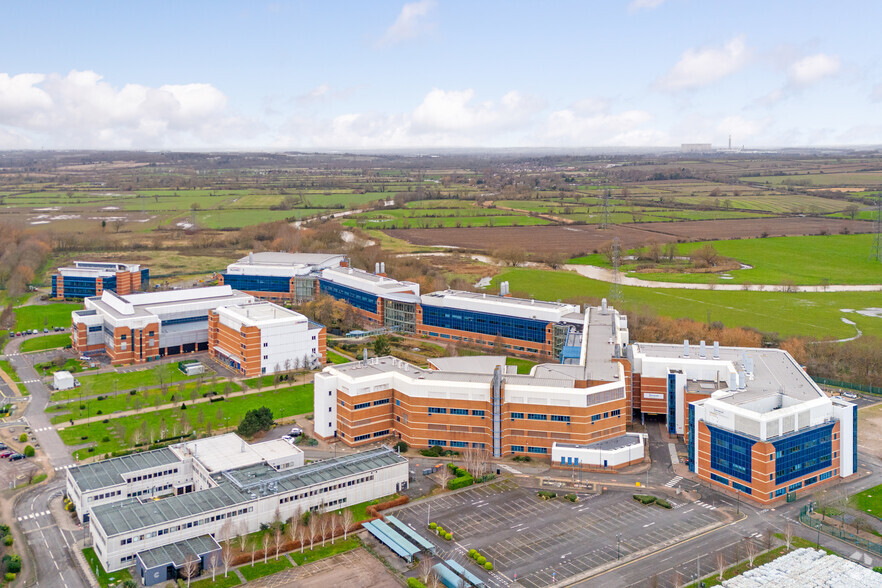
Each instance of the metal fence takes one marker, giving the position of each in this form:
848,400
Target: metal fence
849,385
806,518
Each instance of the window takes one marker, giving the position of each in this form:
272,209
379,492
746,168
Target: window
517,415
537,417
397,403
780,492
462,411
537,450
361,405
730,453
477,413
742,487
559,418
804,452
437,442
606,415
382,433
810,481
381,401
615,413
434,410
458,444
517,448
478,445
595,418
362,437
342,403
719,479
484,323
793,487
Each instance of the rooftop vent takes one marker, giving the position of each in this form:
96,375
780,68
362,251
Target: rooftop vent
685,347
702,350
603,306
716,350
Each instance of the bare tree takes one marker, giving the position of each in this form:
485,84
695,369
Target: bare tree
348,519
266,542
294,524
314,524
277,539
191,566
444,476
302,536
678,579
254,546
227,557
721,565
788,535
326,522
242,538
424,569
752,551
335,522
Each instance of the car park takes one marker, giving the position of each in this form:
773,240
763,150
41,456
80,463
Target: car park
851,395
16,457
6,453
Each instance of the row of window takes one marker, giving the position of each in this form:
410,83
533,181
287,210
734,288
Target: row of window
98,497
485,324
190,525
150,476
325,489
459,411
156,489
478,341
442,443
520,449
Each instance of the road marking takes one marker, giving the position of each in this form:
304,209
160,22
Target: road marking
674,482
649,525
687,511
65,467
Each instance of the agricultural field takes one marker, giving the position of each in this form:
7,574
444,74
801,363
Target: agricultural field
810,260
806,314
820,179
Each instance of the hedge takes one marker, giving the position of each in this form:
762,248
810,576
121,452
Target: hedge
415,583
663,503
644,498
546,495
460,482
571,497
372,510
482,560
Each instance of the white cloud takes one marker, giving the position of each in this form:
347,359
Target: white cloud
700,67
638,5
82,110
411,22
452,111
324,93
812,69
568,127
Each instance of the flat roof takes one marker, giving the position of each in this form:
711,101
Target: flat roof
476,364
177,554
620,442
141,304
807,568
276,449
218,453
601,345
101,474
260,313
284,258
501,300
775,372
236,487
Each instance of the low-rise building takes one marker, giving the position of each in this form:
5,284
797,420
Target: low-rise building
219,486
372,295
280,276
91,278
264,338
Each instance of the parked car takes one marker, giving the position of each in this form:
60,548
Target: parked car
45,330
850,395
296,432
3,446
16,457
6,453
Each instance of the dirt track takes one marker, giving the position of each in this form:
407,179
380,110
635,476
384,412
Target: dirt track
578,239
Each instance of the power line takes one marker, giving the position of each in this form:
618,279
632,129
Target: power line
615,288
876,253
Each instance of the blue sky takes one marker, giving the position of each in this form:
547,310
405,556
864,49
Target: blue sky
437,73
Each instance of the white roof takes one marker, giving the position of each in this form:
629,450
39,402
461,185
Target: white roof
368,282
220,453
261,314
540,310
807,568
276,449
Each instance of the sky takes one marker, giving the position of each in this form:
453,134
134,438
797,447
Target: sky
330,75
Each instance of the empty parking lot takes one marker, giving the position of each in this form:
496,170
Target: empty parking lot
536,542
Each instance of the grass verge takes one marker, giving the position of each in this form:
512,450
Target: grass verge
10,371
104,579
869,501
336,358
45,342
317,553
259,570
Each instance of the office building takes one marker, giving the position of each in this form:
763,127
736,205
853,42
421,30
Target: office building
142,327
263,338
374,296
219,487
92,278
279,276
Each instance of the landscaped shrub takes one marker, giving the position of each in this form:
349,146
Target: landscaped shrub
448,536
440,531
132,392
415,583
98,412
28,451
452,467
100,398
571,497
23,437
484,478
644,498
461,472
433,451
13,563
663,503
546,494
401,447
7,541
472,553
488,566
522,458
433,526
10,576
482,560
461,482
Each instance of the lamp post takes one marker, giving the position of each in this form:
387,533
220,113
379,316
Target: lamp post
618,543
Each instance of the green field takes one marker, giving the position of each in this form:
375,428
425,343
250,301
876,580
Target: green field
834,179
41,316
143,401
336,358
10,371
524,365
806,314
105,579
234,219
869,501
117,434
110,382
53,341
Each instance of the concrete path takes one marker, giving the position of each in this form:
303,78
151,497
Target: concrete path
606,275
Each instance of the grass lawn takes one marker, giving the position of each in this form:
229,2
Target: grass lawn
104,579
71,365
117,434
110,382
360,510
219,582
310,555
45,342
336,358
260,569
813,314
41,316
869,501
7,367
143,400
524,365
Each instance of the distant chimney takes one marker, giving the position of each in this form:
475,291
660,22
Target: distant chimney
702,350
716,350
685,347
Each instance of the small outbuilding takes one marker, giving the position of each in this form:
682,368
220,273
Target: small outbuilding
63,381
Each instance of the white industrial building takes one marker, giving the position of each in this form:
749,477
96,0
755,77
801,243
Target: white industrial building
219,486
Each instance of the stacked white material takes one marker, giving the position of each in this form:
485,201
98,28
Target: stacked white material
807,568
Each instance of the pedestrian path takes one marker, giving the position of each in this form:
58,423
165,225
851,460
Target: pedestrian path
674,482
67,467
705,505
42,429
